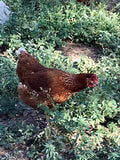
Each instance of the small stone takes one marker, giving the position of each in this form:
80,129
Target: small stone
4,12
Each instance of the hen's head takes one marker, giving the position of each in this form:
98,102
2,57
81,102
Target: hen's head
93,81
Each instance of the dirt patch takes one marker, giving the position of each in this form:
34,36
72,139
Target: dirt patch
78,50
112,4
28,116
7,154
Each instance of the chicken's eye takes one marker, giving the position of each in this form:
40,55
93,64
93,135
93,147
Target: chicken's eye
92,82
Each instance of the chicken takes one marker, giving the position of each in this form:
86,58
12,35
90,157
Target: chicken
48,86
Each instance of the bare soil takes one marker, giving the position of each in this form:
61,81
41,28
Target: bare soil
29,116
112,4
78,50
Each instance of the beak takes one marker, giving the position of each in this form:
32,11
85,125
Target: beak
97,84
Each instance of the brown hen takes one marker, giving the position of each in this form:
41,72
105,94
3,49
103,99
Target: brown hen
48,86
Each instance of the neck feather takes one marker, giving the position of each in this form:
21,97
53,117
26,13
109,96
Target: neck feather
77,82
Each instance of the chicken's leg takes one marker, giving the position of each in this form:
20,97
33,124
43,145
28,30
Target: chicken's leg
48,128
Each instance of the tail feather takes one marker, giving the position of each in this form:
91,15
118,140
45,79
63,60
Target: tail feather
19,51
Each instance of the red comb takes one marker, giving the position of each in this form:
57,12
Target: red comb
95,75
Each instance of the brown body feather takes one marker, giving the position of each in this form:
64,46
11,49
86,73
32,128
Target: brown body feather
47,86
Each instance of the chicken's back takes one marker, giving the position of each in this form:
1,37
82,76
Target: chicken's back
27,64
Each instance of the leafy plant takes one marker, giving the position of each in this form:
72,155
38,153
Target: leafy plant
8,85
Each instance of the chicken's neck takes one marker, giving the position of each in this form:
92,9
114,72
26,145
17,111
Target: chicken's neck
77,82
